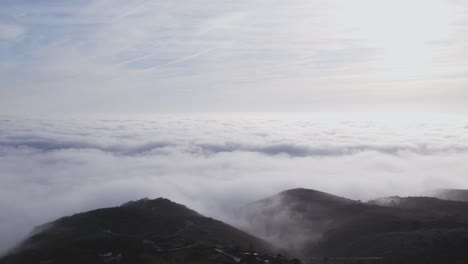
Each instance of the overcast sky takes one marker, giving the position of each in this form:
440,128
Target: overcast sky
246,55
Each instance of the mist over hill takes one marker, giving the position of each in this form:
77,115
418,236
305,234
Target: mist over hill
450,194
315,225
294,226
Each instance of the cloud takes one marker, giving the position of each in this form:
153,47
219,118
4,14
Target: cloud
11,32
215,163
54,145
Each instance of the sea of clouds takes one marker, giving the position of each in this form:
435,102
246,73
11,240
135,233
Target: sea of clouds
216,163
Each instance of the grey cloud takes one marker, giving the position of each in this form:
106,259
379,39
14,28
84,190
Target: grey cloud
295,150
267,148
43,144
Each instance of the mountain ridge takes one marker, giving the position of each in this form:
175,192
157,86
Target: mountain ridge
306,223
142,231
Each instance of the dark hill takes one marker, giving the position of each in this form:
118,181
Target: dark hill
315,225
144,231
296,219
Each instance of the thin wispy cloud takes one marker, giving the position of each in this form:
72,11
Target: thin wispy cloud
301,55
184,59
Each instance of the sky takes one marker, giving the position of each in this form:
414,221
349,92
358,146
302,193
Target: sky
103,56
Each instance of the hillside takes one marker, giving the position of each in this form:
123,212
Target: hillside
310,224
297,219
315,225
144,231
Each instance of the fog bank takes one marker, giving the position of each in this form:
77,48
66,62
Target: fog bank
214,164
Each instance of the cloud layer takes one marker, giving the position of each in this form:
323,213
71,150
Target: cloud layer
215,163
